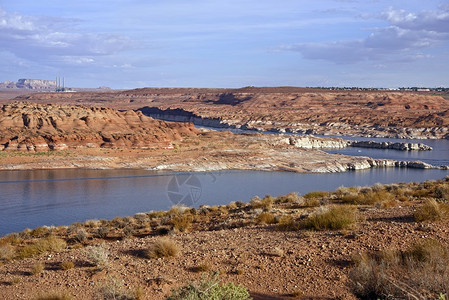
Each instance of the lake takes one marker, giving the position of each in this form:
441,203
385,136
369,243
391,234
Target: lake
29,199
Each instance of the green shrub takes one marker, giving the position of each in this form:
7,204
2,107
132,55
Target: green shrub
208,290
336,217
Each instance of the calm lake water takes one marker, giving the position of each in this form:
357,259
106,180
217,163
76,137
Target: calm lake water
29,199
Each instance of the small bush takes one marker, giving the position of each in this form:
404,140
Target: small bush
37,268
7,252
55,296
161,248
431,211
312,202
102,232
181,223
266,203
114,288
80,235
421,272
336,217
204,267
316,194
287,223
210,289
67,265
289,198
266,218
48,244
98,255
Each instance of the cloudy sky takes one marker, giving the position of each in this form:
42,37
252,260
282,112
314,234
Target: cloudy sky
231,43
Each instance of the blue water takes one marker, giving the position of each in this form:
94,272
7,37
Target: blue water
29,199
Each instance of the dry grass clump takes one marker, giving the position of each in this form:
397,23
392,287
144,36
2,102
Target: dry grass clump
316,194
333,218
162,247
43,245
266,203
7,252
421,272
204,267
312,202
54,296
67,265
114,288
287,223
431,210
37,268
367,196
181,223
266,218
289,198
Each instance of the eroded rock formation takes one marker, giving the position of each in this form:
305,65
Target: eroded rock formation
38,127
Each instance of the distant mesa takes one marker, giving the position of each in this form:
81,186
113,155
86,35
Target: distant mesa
30,84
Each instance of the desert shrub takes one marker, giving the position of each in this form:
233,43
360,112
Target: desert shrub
37,268
7,252
266,203
367,196
181,223
80,235
98,255
421,272
311,202
113,288
336,217
431,210
316,194
43,245
210,289
128,231
54,296
92,223
102,232
204,267
162,247
289,198
266,218
287,223
40,232
67,265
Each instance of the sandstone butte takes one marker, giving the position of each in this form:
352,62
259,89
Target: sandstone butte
364,113
37,127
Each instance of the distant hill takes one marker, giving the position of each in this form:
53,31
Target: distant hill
30,84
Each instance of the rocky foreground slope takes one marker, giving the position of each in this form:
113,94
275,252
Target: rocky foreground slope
366,113
39,127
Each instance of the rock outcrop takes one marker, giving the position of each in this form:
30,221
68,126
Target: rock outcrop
37,127
390,145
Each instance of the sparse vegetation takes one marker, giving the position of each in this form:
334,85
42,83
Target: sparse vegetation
431,210
55,296
266,218
333,218
162,247
98,255
43,245
421,272
37,268
210,289
67,265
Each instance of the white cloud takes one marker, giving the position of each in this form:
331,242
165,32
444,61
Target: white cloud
42,37
406,38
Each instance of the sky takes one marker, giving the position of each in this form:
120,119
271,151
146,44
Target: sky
233,43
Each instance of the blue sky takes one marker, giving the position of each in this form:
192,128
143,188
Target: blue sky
199,43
